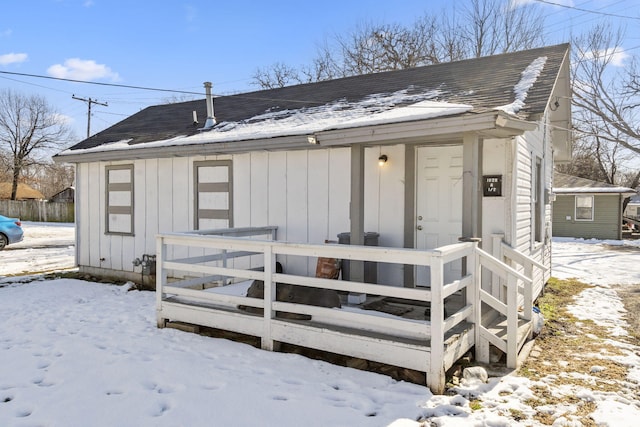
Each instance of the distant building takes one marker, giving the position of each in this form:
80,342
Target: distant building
65,196
587,209
24,192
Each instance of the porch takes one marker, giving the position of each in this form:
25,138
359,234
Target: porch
202,279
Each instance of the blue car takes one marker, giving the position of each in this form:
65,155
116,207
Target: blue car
10,231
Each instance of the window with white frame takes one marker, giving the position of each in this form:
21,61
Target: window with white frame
213,194
119,199
584,208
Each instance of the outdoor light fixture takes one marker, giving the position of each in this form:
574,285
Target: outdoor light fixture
382,160
311,139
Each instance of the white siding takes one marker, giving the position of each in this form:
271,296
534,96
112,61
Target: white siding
495,210
83,216
384,204
532,145
146,242
305,193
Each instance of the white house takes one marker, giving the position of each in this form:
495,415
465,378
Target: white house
423,157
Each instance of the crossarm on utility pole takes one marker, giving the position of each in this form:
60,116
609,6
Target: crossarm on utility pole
89,101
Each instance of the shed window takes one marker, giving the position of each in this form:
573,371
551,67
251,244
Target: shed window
119,199
213,194
584,208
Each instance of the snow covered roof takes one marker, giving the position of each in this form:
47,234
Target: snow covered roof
567,184
519,84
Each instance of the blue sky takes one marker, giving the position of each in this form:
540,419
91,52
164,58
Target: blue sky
180,44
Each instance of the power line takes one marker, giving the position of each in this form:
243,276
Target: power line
614,15
39,76
240,95
101,83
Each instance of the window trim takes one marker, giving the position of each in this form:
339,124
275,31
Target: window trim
216,214
119,210
575,207
537,200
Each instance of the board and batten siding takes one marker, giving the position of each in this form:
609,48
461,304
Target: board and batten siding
606,222
305,193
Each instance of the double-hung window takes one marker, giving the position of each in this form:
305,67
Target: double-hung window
584,208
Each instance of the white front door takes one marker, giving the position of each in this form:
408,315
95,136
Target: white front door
438,204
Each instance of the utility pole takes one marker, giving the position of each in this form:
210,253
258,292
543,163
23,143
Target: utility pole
89,101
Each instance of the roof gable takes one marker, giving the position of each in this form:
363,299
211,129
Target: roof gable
506,82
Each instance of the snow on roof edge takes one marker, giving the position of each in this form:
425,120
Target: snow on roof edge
594,190
326,118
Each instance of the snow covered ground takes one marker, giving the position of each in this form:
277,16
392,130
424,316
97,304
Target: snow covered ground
46,246
75,353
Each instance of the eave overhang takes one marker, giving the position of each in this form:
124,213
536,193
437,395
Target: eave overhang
623,191
492,124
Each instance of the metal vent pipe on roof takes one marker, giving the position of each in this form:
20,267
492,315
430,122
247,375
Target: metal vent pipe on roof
211,118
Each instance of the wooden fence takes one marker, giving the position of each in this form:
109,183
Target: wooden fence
38,210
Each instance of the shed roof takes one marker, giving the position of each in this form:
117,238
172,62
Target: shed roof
519,84
568,184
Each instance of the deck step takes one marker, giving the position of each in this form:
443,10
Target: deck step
499,328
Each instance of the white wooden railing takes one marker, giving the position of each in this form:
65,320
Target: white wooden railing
517,284
201,289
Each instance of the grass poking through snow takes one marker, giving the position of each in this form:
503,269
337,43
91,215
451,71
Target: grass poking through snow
572,356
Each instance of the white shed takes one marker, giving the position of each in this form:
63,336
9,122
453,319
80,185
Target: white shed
422,157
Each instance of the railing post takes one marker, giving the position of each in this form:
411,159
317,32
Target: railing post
512,322
436,373
473,298
496,251
269,297
528,291
161,278
226,280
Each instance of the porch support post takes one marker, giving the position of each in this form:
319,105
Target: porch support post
269,297
409,210
356,215
471,198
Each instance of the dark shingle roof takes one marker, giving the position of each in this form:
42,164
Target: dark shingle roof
484,83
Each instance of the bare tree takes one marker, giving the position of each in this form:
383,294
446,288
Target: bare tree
49,178
176,99
606,94
277,75
29,130
584,163
491,27
596,157
375,48
451,45
486,27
